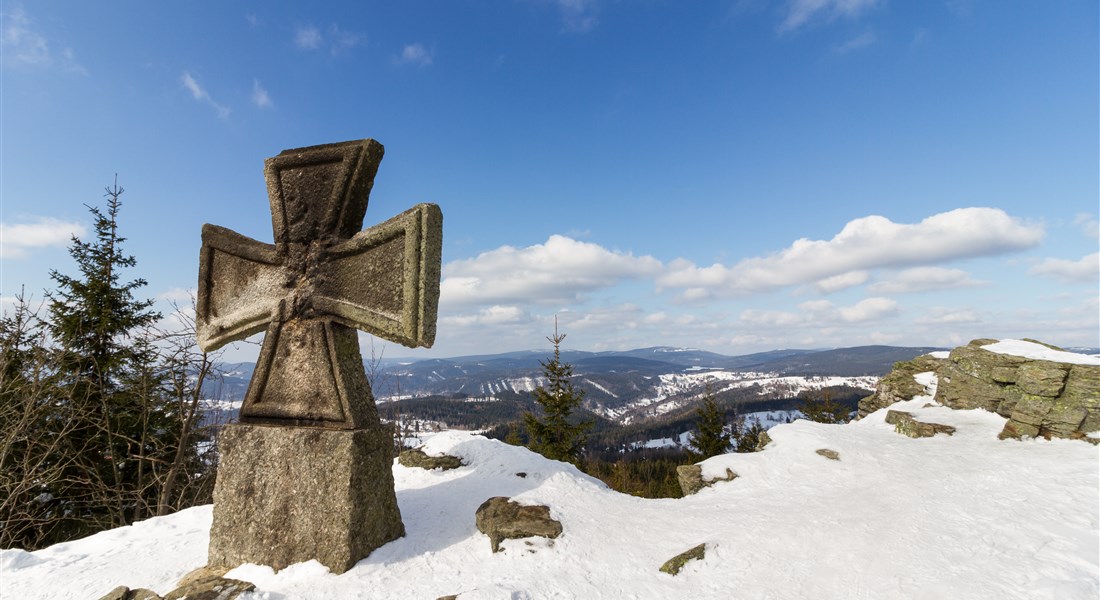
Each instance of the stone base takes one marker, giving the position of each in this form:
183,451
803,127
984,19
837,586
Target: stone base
285,495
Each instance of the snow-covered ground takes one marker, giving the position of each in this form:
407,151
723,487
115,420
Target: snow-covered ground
966,516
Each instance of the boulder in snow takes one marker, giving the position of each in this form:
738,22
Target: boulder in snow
124,593
417,458
501,519
691,478
905,424
673,565
829,454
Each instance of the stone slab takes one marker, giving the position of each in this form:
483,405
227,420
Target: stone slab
286,495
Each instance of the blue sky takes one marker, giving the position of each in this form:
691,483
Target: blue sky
735,176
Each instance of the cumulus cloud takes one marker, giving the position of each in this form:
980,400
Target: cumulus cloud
578,16
260,97
493,315
1069,271
16,240
864,243
924,279
843,281
561,270
802,12
200,94
22,44
821,313
948,316
415,54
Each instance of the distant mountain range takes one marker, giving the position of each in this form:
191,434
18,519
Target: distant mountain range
622,385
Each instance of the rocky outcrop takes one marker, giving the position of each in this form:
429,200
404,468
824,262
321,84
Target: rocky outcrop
201,588
905,424
827,453
673,565
691,479
501,519
1038,397
124,593
417,458
899,385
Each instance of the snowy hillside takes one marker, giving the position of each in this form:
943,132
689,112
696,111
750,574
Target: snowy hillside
966,516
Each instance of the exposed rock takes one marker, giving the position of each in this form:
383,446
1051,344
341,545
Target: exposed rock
451,597
905,424
829,454
691,478
1039,397
762,440
200,574
673,565
501,519
899,385
214,588
124,593
417,458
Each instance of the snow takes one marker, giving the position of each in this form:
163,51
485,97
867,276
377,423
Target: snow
1040,352
940,354
962,516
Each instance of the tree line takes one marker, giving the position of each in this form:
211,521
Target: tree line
100,404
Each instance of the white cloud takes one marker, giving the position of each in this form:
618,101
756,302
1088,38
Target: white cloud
1069,271
802,12
1088,224
864,243
21,44
493,315
948,316
307,37
821,313
260,97
578,16
870,309
415,54
200,94
342,41
16,240
561,270
924,279
843,281
860,41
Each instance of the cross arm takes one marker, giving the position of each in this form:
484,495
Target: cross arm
241,283
385,279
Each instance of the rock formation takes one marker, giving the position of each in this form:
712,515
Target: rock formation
1039,397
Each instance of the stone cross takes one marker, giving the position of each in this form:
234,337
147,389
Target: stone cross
321,280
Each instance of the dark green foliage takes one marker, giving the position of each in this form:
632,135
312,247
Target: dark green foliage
821,408
557,434
651,476
711,436
98,409
748,438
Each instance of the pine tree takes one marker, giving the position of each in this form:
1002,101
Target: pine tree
821,408
109,374
711,437
557,435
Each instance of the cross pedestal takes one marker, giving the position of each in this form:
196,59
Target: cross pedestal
308,471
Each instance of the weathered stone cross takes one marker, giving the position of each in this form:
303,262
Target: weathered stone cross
321,280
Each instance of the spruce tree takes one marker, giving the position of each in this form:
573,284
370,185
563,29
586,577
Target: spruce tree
96,321
710,437
557,435
821,408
